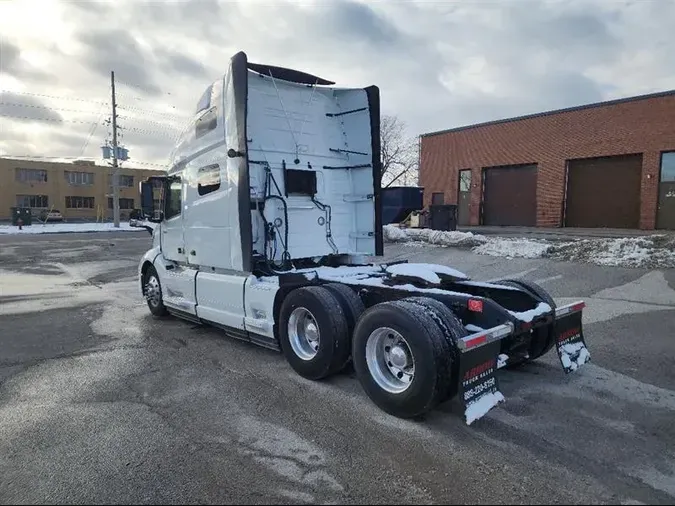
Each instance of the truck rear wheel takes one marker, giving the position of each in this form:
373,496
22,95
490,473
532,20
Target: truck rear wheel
313,332
543,339
351,304
152,289
452,329
401,358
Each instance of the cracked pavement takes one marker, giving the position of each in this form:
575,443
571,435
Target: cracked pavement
99,402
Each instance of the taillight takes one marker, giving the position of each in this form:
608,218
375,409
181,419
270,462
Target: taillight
475,305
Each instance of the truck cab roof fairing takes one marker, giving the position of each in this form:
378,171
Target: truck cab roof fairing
290,75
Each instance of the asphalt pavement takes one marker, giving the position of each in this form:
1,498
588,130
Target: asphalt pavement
101,403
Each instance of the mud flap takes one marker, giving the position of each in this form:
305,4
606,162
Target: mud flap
479,389
569,334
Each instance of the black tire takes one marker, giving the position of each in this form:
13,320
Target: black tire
156,305
333,347
351,304
453,330
427,346
543,339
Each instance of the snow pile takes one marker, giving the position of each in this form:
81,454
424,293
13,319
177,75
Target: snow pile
392,233
55,228
513,248
482,405
445,238
657,251
653,251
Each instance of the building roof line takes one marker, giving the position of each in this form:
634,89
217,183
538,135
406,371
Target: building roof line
555,111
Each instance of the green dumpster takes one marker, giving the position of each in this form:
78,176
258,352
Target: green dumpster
24,213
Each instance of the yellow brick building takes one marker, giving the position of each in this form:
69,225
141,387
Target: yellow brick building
80,190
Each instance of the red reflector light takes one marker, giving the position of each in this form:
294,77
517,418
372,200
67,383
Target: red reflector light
578,307
476,341
476,305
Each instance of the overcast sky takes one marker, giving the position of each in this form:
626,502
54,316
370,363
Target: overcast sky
438,64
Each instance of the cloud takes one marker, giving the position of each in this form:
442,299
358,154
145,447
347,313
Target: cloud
178,63
438,64
26,109
12,64
118,50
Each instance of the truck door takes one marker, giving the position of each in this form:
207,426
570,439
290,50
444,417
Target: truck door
173,247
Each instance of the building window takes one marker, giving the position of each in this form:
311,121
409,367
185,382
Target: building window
124,203
668,167
437,198
79,178
174,200
465,180
208,179
32,201
31,175
80,202
125,181
157,184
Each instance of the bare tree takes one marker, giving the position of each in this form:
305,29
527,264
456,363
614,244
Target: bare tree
399,153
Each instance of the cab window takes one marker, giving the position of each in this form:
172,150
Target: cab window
174,198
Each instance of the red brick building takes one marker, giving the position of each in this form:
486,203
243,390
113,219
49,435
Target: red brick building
610,164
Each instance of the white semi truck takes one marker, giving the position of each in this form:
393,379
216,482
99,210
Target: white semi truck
269,227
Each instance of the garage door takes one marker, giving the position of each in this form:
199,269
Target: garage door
604,192
510,196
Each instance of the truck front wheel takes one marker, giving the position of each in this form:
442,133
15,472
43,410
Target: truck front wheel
313,332
152,289
401,358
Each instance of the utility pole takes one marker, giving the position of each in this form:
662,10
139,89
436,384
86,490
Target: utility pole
116,175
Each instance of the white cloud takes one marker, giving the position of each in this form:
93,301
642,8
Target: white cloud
438,64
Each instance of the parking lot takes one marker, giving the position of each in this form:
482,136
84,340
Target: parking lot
99,402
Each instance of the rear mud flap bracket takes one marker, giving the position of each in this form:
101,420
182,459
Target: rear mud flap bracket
569,335
479,387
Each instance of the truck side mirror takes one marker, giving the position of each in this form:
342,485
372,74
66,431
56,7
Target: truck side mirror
148,203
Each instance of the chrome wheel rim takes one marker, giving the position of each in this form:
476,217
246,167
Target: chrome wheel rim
303,333
390,361
152,291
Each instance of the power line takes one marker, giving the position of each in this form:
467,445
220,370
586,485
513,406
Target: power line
165,125
93,129
147,111
145,131
60,120
53,96
46,107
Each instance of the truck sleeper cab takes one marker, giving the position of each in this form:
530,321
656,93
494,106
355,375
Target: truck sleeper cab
264,225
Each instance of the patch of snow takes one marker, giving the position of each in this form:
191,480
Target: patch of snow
501,360
653,251
656,251
473,328
483,284
392,233
416,271
445,238
443,269
478,408
574,355
528,316
55,228
513,248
